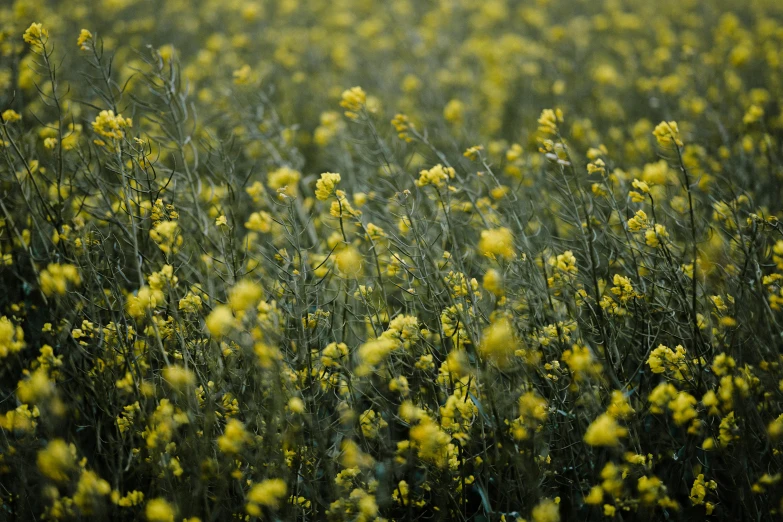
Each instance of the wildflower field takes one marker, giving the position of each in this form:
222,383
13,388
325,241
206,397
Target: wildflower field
364,260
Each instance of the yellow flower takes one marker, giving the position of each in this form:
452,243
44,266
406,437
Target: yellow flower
191,303
11,337
431,441
775,428
547,122
641,185
402,124
55,278
244,295
581,362
638,221
268,493
754,114
36,388
653,491
493,282
668,134
36,35
699,489
499,342
546,511
332,354
89,489
453,112
179,378
371,423
285,181
259,222
373,353
349,262
220,321
57,460
109,125
353,100
10,116
437,176
256,191
167,235
472,153
653,236
145,299
497,242
324,187
234,437
604,431
565,264
267,355
243,75
661,395
85,38
596,167
727,430
133,498
159,510
619,408
596,496
682,408
296,405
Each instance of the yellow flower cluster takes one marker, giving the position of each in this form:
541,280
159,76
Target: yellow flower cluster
438,176
11,337
325,186
36,35
268,493
55,278
109,125
497,243
353,100
85,40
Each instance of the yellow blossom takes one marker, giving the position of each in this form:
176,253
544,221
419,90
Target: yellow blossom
259,222
349,262
454,111
353,100
36,35
109,125
178,377
220,321
234,437
604,431
547,122
11,337
285,181
497,242
244,294
326,185
159,510
57,460
84,40
167,235
668,134
10,116
499,342
437,176
546,511
268,493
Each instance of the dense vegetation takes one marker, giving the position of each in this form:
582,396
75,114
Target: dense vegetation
531,269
